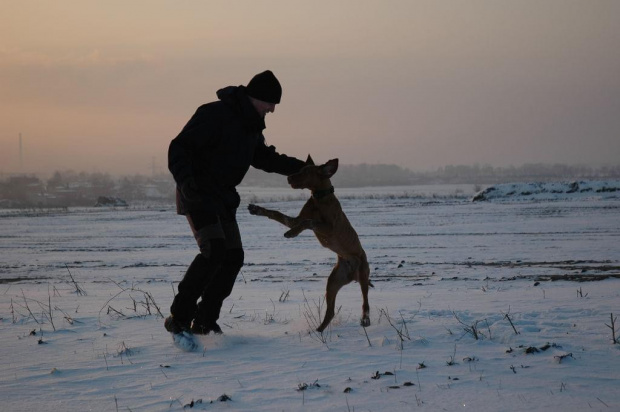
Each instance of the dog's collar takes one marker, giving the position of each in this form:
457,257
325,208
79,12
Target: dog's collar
319,194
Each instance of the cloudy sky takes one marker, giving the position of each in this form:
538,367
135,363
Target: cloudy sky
105,85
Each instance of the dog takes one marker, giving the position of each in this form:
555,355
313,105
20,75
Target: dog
323,214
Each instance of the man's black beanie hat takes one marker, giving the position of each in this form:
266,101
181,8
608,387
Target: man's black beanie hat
265,87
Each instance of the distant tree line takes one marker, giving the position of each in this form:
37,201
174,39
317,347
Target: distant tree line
526,173
347,176
69,188
392,175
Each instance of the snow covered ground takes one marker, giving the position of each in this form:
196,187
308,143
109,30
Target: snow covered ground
476,306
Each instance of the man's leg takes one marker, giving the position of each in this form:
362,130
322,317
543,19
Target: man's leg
222,282
184,303
209,236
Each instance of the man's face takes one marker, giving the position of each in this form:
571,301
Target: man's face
263,107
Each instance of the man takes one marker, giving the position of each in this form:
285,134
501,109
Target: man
208,159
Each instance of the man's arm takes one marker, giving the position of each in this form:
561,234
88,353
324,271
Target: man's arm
268,159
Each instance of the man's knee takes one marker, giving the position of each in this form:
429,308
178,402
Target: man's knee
234,259
214,250
222,285
230,269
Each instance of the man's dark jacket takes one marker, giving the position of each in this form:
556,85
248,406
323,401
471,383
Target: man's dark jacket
215,150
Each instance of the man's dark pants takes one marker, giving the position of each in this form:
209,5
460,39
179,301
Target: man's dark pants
212,274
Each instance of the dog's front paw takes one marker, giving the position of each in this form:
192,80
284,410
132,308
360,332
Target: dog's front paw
365,322
294,232
255,210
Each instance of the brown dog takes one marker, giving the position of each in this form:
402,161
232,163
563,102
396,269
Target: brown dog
323,214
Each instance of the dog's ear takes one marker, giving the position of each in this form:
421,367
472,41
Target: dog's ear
309,161
329,168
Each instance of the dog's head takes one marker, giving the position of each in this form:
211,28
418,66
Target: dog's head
312,176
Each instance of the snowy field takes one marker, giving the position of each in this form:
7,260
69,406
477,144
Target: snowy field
497,305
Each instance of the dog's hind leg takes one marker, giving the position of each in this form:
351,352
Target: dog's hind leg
340,276
364,281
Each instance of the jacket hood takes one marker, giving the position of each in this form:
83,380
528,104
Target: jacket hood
237,98
227,93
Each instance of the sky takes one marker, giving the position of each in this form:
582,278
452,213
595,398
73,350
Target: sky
104,86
